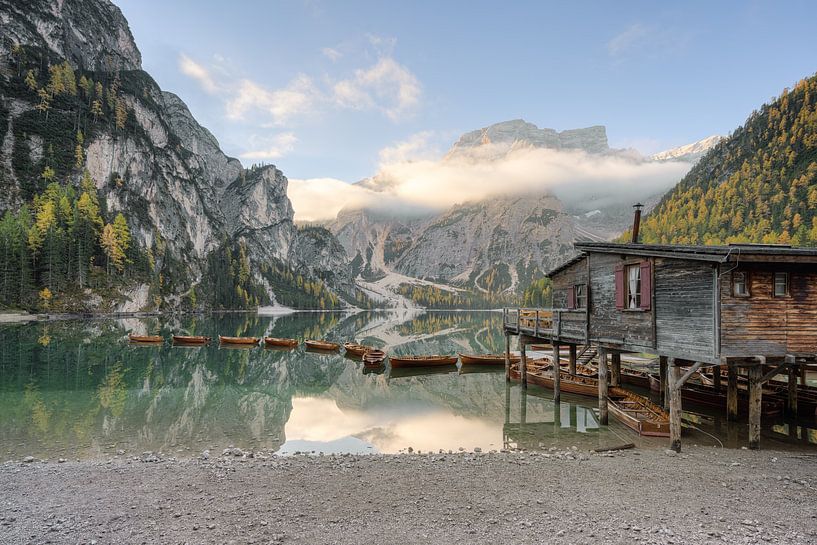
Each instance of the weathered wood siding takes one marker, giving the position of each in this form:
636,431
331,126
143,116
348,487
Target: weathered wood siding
684,302
762,324
608,324
565,280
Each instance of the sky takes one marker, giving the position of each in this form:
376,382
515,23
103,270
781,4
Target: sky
330,89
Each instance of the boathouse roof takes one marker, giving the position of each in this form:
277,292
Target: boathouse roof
714,254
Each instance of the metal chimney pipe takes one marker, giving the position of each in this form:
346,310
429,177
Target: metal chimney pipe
636,222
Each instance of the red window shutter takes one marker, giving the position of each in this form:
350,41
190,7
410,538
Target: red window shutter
571,297
646,285
620,286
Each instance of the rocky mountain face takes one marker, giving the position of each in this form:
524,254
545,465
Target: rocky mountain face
187,204
520,132
690,152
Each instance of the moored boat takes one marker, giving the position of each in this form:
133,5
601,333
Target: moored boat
374,358
355,349
321,345
191,339
487,359
422,361
247,341
639,413
275,341
146,339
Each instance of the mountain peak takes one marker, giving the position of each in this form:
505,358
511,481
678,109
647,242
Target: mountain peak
690,152
90,34
518,131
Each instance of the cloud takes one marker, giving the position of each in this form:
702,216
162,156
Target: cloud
575,177
191,68
628,39
647,41
281,105
416,146
387,86
270,148
331,53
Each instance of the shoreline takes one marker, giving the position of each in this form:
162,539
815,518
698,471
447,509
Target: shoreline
23,317
703,495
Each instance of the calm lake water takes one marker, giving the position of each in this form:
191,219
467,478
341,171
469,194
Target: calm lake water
78,389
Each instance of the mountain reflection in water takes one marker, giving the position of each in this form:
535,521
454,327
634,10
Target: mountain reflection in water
77,389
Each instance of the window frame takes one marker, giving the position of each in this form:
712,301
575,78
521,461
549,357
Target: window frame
580,296
627,294
746,292
786,284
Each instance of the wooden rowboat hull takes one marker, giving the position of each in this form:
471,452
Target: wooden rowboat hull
284,343
146,339
707,395
487,359
429,361
640,414
238,340
190,340
356,349
322,345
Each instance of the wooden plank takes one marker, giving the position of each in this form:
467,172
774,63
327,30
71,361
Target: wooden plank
615,375
557,380
755,399
675,405
603,416
792,387
732,393
662,378
507,357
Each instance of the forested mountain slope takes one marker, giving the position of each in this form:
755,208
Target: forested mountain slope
757,185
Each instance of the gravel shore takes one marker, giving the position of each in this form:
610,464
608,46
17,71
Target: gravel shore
704,495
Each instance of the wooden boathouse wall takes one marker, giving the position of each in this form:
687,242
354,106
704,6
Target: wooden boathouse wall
762,323
681,318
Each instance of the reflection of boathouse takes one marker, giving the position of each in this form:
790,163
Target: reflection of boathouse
749,308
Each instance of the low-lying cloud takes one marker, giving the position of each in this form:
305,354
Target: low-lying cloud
414,186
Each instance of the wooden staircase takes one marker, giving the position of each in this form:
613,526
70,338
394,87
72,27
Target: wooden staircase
587,355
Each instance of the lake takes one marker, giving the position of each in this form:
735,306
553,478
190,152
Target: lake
78,389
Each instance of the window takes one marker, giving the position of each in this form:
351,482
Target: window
581,295
739,285
634,286
633,276
781,284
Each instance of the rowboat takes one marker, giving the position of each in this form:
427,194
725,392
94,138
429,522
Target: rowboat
639,413
487,359
572,384
539,347
635,378
422,361
190,339
354,349
275,341
238,340
321,345
146,339
709,396
374,358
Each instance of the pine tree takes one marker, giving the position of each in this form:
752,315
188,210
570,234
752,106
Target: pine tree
31,80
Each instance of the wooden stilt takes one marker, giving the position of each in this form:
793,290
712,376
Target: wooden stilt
732,393
507,403
523,406
557,380
507,357
674,405
662,379
615,375
755,398
523,365
803,375
571,362
603,386
716,377
793,372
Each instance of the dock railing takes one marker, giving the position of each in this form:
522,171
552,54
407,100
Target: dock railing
546,322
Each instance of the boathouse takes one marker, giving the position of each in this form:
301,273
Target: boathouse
750,308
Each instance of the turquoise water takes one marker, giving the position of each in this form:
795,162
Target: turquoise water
78,389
